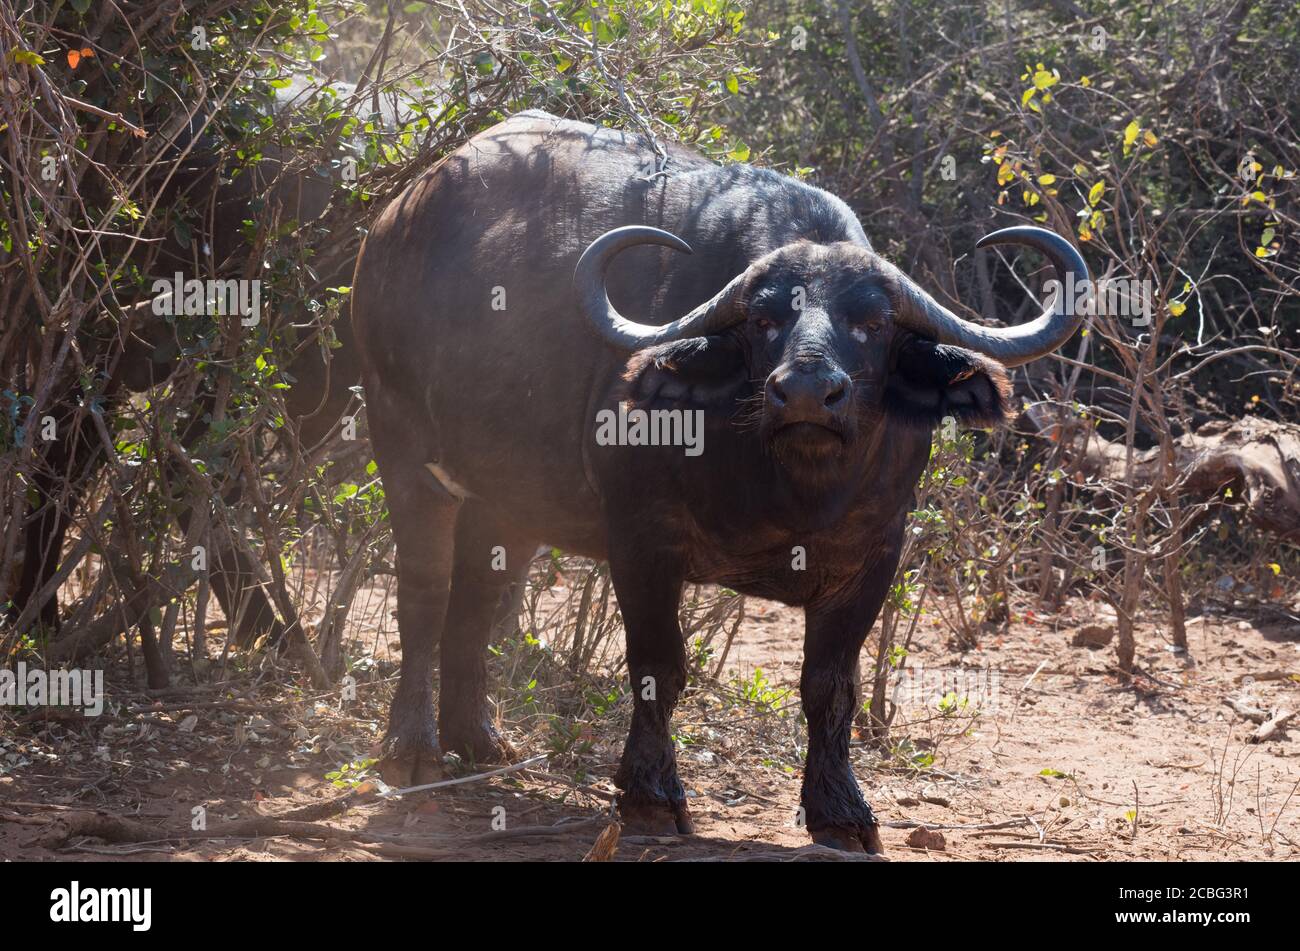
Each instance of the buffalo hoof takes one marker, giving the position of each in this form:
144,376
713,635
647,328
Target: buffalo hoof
411,757
262,634
850,838
256,640
480,743
654,817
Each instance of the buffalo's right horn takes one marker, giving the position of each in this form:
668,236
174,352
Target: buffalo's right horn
715,314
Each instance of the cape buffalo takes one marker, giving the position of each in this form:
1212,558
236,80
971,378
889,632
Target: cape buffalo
492,369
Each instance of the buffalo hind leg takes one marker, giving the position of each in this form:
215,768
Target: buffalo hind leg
423,515
834,811
243,601
55,485
490,562
649,588
43,547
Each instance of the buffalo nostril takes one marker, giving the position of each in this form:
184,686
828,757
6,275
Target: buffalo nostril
837,390
775,393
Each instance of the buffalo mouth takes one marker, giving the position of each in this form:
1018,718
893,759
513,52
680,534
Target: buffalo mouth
809,437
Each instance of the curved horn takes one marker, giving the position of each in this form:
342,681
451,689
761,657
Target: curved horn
713,315
1011,346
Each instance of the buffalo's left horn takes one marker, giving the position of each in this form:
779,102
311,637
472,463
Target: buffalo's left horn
1011,346
713,315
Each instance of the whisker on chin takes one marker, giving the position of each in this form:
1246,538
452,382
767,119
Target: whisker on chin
749,417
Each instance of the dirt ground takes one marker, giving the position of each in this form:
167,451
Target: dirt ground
1054,758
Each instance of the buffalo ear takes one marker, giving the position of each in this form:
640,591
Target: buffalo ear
698,371
930,380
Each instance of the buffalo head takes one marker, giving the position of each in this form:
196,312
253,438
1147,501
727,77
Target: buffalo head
824,342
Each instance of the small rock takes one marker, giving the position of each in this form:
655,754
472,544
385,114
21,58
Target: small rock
923,838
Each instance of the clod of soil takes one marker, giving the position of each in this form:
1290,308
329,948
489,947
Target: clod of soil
1094,636
923,838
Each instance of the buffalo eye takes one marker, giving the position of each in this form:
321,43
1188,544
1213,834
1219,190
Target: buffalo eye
871,327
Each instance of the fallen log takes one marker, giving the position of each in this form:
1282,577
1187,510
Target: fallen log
1258,459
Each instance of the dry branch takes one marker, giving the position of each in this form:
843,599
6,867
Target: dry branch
1271,727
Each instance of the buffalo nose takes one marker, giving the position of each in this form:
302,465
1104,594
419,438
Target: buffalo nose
808,393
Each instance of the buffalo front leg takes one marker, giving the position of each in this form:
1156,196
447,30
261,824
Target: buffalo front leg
423,516
649,589
834,811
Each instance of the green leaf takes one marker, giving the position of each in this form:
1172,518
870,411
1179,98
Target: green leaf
733,84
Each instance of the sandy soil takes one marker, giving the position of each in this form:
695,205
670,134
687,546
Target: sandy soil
1065,759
